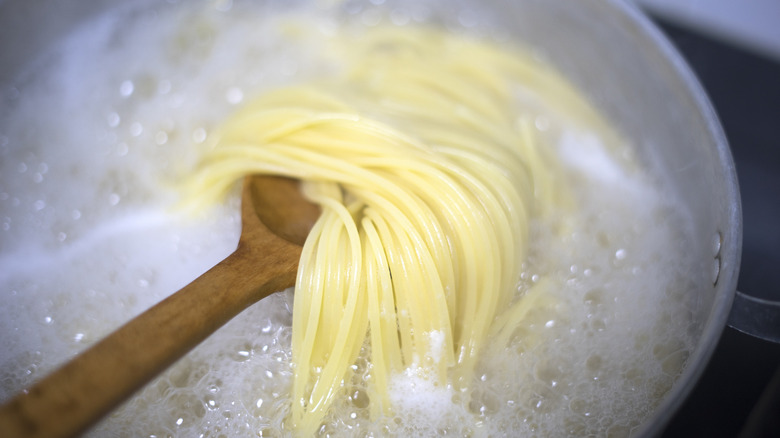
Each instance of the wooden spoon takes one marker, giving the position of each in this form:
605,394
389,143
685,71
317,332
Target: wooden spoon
276,220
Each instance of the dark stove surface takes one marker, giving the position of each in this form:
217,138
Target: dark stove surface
739,393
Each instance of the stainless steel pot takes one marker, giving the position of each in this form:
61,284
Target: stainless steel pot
627,67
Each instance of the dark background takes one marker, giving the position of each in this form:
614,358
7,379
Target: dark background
739,393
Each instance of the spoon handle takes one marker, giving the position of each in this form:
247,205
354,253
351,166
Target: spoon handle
77,395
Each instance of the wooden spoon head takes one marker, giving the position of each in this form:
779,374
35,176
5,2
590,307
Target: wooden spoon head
279,204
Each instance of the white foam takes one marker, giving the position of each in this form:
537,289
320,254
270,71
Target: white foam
425,409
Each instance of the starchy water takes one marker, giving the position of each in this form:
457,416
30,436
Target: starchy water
93,138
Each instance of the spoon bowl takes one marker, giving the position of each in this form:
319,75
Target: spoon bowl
276,219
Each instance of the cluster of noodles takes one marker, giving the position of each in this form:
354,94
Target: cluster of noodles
427,177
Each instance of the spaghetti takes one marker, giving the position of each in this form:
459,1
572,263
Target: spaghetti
427,177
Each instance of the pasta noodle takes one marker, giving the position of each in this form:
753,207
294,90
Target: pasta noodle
427,177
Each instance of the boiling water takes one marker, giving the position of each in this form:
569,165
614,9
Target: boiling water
91,139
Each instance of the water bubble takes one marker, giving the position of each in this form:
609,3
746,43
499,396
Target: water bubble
360,399
717,240
126,88
161,137
136,129
620,254
39,205
715,270
21,167
241,355
542,123
199,135
593,362
399,17
113,199
113,119
37,177
61,236
234,95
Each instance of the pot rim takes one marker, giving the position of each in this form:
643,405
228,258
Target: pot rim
731,233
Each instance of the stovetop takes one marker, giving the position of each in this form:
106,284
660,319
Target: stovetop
739,392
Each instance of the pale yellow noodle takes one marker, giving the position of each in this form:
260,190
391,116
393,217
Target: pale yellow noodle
427,175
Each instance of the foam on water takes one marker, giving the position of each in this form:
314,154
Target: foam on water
91,144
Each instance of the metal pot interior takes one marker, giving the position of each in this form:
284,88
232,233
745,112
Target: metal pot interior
623,64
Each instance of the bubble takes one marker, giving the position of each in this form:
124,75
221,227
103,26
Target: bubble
161,137
399,17
715,271
126,88
241,355
113,119
234,95
113,199
136,129
122,149
717,240
587,272
542,123
199,135
360,399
